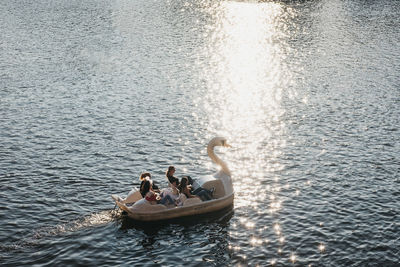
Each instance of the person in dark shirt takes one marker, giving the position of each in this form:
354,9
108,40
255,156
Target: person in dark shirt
170,176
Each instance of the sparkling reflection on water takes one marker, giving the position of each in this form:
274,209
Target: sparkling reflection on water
246,82
306,92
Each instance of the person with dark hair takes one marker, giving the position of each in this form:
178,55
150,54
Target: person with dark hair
147,186
203,193
147,176
185,188
170,176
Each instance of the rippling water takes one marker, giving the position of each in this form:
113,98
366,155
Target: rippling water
95,92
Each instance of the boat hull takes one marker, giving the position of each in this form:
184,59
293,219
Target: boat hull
204,207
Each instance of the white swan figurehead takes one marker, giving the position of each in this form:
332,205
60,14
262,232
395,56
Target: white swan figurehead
224,174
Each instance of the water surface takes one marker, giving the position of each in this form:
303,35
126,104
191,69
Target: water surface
307,92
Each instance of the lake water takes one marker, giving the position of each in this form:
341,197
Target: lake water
92,93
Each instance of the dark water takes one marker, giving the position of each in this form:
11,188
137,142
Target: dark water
307,92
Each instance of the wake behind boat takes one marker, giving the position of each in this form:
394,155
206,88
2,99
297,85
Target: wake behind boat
220,183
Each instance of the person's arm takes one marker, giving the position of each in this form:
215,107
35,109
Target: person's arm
187,192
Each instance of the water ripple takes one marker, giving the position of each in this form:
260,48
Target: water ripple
93,93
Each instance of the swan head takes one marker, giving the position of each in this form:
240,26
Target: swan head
219,141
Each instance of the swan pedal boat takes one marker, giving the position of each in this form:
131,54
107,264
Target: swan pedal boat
140,209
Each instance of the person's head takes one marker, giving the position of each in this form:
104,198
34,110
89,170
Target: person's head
183,184
170,171
184,181
144,175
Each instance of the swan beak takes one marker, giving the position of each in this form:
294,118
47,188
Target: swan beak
227,145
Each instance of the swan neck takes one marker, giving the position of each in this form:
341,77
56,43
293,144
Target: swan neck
216,159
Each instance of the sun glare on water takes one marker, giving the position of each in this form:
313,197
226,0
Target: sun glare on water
245,82
247,78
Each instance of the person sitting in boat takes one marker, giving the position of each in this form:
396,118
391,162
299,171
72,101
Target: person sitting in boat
172,191
173,183
147,186
203,193
173,180
185,188
184,191
147,176
170,176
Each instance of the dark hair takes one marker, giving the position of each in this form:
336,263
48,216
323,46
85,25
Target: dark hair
170,168
144,175
145,187
183,184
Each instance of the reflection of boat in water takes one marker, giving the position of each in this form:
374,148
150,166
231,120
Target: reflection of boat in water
140,209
